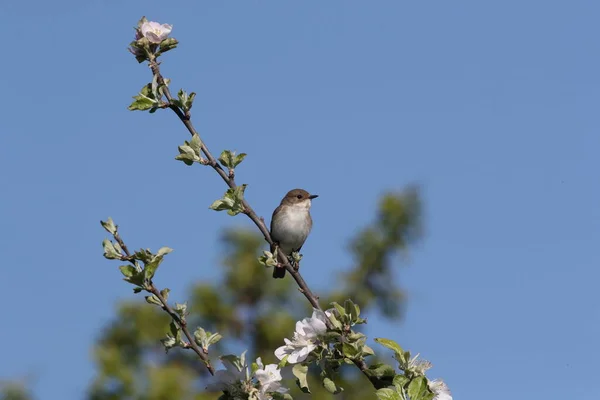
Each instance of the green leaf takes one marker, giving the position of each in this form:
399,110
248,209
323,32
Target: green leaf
341,311
187,155
196,144
267,259
230,160
169,342
190,152
222,204
132,275
330,386
173,338
190,101
356,336
332,336
144,255
350,350
110,252
166,45
356,311
181,309
388,394
152,299
128,270
214,338
200,336
390,344
297,257
155,261
137,289
165,293
349,309
145,100
109,225
232,201
383,372
417,388
141,103
182,99
403,358
400,382
226,158
238,159
300,371
367,351
335,321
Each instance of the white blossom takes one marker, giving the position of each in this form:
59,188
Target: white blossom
305,339
269,378
440,389
418,366
155,32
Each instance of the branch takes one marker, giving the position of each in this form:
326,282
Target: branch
259,222
191,344
230,181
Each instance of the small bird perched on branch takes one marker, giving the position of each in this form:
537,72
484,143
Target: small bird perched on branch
291,223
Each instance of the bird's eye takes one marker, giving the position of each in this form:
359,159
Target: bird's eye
299,196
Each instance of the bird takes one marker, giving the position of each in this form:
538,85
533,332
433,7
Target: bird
290,224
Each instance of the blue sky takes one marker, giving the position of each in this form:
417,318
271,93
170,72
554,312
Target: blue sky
490,106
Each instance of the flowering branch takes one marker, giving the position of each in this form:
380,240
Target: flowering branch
326,338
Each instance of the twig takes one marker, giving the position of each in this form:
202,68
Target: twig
165,306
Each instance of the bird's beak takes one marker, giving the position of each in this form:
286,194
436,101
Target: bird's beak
313,196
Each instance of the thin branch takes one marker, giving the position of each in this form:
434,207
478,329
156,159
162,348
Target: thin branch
258,221
165,306
183,325
230,181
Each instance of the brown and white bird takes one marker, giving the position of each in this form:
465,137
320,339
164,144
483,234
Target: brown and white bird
291,223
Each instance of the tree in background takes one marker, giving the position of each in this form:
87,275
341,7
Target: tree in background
14,390
327,354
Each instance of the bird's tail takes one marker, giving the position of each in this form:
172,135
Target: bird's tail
278,272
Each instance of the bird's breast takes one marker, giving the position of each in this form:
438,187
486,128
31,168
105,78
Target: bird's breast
291,227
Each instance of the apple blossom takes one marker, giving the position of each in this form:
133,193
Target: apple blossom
440,389
269,378
155,32
305,339
418,366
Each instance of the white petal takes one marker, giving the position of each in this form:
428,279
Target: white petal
274,371
300,326
302,353
441,390
153,37
166,29
282,351
318,326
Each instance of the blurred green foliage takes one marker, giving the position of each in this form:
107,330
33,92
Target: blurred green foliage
14,390
252,311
